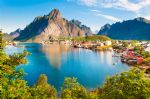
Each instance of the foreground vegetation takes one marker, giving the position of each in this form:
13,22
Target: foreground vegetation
128,85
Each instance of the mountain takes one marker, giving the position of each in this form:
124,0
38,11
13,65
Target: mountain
86,29
50,26
7,37
136,29
16,33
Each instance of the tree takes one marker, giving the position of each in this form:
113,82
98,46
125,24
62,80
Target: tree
71,89
145,54
2,44
125,44
93,94
134,42
128,85
11,83
138,48
42,90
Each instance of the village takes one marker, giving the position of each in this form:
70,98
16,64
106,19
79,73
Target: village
134,53
102,46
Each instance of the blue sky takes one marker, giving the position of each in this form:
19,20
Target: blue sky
93,13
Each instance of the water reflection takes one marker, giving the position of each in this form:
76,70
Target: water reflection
109,58
54,53
105,57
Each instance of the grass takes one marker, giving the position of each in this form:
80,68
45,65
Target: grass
91,38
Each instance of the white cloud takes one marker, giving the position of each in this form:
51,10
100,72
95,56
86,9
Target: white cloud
85,2
122,4
109,17
140,8
126,4
88,2
93,10
117,4
145,16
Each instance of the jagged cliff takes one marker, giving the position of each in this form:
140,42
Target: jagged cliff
52,25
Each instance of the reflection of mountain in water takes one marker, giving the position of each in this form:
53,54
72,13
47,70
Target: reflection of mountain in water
54,53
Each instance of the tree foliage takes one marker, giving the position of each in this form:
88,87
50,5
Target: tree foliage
2,44
11,83
128,85
42,90
71,89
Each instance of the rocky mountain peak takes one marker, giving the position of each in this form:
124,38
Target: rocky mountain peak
15,33
52,25
76,22
106,26
141,19
55,14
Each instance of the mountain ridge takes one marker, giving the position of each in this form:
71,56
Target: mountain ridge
49,26
136,29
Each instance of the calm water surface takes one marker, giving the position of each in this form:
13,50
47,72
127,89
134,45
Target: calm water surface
60,61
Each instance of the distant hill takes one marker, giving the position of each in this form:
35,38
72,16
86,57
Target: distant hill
136,29
93,38
50,26
16,33
7,37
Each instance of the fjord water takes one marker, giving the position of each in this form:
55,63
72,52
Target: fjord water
60,61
